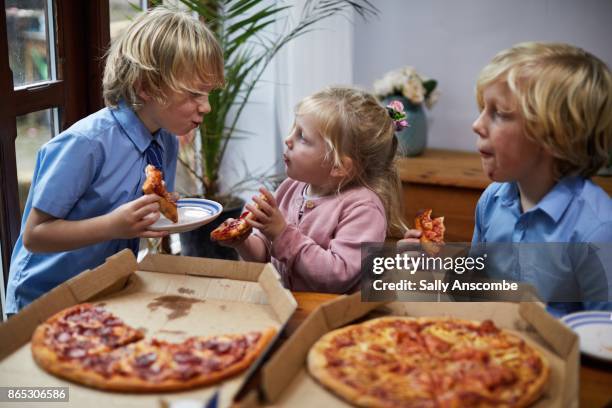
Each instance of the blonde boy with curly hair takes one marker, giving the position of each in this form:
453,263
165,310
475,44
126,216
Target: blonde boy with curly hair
544,129
86,200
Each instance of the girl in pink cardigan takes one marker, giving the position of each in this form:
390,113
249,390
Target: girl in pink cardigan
342,190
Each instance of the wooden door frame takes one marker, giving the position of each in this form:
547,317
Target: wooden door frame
82,37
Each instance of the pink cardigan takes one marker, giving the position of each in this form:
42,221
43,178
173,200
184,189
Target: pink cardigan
320,250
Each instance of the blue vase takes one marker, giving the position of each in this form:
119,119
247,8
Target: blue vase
413,139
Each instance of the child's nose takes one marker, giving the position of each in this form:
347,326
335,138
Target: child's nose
478,126
288,142
204,107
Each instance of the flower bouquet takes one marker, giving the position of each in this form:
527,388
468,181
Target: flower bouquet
405,87
408,83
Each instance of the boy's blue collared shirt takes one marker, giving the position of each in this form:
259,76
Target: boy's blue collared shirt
87,171
574,211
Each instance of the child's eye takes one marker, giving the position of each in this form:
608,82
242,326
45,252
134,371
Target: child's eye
504,115
495,114
198,96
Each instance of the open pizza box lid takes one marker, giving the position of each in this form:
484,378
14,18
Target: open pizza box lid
172,298
285,381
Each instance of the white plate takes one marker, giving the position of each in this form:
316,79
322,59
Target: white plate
192,213
595,331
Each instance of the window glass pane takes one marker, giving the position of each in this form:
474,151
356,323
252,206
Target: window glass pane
28,40
122,12
33,130
175,4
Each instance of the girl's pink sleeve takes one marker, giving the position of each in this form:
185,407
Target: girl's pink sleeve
255,248
337,268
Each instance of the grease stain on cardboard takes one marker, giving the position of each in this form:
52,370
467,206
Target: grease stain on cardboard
178,306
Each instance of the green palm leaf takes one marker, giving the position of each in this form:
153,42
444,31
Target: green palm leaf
243,30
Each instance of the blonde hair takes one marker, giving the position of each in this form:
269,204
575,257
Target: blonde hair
565,96
161,50
355,125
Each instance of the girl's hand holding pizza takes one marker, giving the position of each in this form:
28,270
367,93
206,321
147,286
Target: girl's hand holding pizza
267,217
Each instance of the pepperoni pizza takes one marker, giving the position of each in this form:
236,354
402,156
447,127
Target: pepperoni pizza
91,346
429,362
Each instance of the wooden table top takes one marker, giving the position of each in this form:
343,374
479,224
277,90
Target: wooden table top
595,376
444,168
453,168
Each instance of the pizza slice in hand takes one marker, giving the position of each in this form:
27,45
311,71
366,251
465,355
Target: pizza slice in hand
432,231
154,185
235,229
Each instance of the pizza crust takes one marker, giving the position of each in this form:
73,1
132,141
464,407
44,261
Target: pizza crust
317,366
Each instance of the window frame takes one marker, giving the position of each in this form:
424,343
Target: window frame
82,35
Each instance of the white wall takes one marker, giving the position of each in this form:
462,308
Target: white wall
305,65
451,40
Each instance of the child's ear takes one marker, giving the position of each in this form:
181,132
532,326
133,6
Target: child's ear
344,169
141,92
144,96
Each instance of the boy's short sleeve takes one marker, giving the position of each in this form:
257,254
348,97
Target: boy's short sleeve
65,168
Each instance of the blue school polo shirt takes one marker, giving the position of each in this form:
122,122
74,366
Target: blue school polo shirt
86,171
574,211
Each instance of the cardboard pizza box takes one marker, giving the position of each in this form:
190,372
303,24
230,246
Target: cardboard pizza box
171,298
285,381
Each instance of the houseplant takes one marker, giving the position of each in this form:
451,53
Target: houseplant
414,91
244,30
